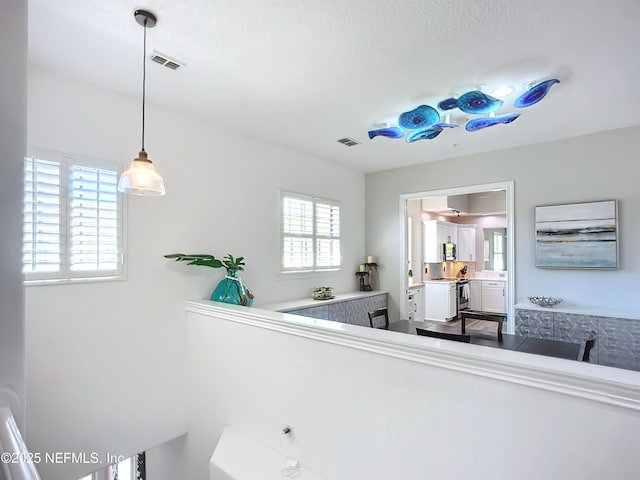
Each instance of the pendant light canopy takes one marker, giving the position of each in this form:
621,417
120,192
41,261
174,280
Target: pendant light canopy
141,178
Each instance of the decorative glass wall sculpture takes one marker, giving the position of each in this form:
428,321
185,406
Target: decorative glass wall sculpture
535,94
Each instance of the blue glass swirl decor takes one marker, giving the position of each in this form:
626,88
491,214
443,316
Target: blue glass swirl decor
423,122
480,123
419,118
475,102
448,104
390,132
535,93
478,103
426,134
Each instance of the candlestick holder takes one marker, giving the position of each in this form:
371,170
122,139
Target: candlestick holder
364,285
371,269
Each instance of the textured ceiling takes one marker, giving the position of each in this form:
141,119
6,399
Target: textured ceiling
305,73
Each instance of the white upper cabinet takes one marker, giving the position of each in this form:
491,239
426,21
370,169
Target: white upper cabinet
466,243
435,233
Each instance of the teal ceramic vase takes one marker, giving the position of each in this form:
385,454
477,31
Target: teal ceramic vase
232,289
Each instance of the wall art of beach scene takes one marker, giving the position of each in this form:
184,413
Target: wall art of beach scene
579,235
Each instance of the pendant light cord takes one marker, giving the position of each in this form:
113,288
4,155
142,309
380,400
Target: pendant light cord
144,77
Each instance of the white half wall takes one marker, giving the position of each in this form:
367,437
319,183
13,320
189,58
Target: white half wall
106,362
371,404
601,166
13,135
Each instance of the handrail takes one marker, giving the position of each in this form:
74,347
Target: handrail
16,463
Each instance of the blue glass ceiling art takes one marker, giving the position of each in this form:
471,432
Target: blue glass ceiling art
419,118
426,134
535,94
391,132
480,123
472,102
423,122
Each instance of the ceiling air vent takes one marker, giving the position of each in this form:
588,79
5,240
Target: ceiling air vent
349,142
166,60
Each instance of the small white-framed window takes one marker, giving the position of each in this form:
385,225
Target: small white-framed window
73,219
130,468
310,233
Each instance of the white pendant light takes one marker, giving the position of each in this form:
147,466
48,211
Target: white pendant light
141,178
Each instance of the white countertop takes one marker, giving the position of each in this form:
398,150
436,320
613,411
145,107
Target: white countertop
580,310
310,302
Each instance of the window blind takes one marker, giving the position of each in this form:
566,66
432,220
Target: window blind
310,233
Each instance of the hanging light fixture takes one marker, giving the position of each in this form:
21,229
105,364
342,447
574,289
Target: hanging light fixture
141,178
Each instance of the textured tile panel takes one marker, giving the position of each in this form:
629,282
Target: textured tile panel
534,323
619,343
321,312
575,328
356,311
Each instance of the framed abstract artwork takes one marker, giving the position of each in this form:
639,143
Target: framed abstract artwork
577,235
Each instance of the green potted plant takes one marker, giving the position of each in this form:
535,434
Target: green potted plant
232,288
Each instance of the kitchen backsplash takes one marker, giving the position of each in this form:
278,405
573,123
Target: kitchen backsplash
433,271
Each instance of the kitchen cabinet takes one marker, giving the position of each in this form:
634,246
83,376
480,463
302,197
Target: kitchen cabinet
415,303
466,250
494,297
440,300
434,234
488,295
475,294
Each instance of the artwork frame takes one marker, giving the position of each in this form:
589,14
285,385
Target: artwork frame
577,235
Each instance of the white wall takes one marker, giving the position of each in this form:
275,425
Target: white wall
106,361
357,414
13,119
594,167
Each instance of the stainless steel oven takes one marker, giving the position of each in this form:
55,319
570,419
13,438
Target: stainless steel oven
462,294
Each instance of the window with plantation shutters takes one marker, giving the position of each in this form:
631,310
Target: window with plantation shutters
72,219
310,233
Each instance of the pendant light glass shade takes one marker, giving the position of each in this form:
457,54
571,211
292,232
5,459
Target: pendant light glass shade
141,178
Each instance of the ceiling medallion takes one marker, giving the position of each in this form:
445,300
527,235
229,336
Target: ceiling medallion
422,123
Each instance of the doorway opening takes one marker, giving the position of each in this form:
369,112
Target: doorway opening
489,208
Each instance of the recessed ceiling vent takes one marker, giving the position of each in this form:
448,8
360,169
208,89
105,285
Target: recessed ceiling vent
349,142
166,60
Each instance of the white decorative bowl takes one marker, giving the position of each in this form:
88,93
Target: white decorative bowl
545,301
